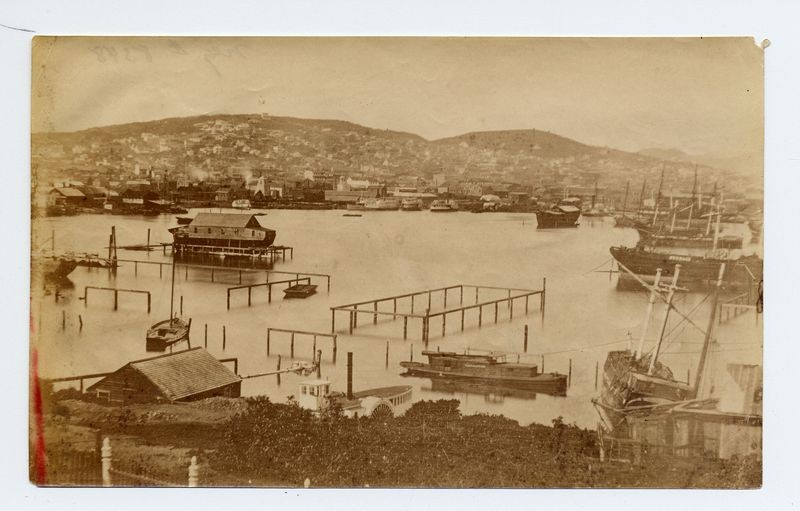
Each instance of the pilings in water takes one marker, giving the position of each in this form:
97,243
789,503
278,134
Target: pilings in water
268,285
116,292
511,296
313,335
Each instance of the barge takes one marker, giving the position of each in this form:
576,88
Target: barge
223,235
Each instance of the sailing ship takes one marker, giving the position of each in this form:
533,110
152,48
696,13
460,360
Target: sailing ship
164,334
486,367
444,206
634,381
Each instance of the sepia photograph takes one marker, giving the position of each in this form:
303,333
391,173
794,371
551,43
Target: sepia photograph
396,262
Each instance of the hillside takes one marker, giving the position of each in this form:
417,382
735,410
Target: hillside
215,146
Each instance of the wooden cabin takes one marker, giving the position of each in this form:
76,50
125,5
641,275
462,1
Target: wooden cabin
175,377
222,232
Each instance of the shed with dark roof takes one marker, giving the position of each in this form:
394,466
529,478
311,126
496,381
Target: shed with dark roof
184,376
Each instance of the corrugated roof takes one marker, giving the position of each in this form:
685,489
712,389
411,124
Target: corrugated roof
223,220
185,373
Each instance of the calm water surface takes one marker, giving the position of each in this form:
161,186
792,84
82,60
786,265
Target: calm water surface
376,255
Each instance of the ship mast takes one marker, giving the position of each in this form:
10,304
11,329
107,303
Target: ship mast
670,295
653,293
706,341
625,200
658,195
694,195
641,200
172,293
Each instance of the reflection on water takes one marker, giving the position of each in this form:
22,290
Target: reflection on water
380,254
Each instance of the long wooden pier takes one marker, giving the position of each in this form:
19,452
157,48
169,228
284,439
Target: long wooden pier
116,294
333,337
423,306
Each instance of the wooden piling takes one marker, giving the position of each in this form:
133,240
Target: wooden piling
525,343
291,346
205,336
542,295
387,354
542,363
116,299
445,298
63,320
350,329
569,375
279,368
462,319
405,327
480,315
411,352
510,308
80,322
181,306
429,300
495,311
268,339
223,338
444,324
148,238
314,350
333,318
375,316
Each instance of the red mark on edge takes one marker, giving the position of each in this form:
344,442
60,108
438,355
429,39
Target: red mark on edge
40,457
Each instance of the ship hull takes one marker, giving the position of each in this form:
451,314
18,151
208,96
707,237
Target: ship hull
746,270
556,219
551,383
54,268
162,335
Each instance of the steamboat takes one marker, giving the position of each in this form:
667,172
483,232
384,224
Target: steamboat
558,216
486,367
444,206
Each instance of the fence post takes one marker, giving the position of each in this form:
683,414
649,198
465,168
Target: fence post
105,462
194,472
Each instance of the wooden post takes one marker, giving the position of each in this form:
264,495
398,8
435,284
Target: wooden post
569,376
249,293
429,300
269,293
335,337
476,294
136,268
542,296
105,462
148,302
688,376
525,344
186,273
461,294
526,304
511,308
269,330
375,316
411,352
412,304
116,299
314,350
291,345
223,338
462,320
279,368
495,311
160,270
444,324
181,306
480,315
328,278
445,298
405,327
63,320
80,323
229,299
387,354
509,298
194,468
394,308
355,317
205,337
350,330
148,239
240,281
333,320
542,363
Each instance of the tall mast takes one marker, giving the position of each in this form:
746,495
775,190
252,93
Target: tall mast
706,341
716,227
658,195
641,200
694,198
172,292
625,200
668,307
674,216
653,293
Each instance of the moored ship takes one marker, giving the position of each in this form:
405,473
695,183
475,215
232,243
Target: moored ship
382,204
560,215
488,367
411,204
444,206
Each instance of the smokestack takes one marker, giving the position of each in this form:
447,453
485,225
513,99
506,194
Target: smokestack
349,375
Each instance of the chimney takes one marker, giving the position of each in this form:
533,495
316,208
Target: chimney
349,375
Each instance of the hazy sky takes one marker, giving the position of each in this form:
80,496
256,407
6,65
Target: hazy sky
698,95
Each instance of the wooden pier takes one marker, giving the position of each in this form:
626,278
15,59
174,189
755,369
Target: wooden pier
419,305
116,294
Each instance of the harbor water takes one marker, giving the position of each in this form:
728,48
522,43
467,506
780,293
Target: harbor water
377,255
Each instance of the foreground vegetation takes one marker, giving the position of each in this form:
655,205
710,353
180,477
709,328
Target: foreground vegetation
433,445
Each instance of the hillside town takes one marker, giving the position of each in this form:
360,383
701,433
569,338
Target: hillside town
279,162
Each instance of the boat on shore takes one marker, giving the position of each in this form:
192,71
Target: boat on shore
444,206
486,367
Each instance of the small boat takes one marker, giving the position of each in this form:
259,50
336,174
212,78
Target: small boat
165,333
444,206
241,204
184,220
300,291
488,367
53,267
411,204
353,214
